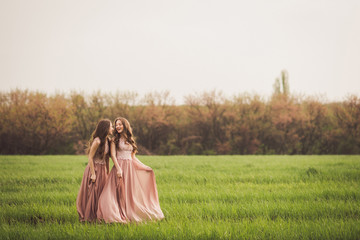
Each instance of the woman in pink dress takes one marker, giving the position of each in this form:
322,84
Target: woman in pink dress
96,172
130,193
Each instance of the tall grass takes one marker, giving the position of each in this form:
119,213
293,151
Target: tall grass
204,197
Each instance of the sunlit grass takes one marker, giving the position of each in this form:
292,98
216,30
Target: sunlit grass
207,197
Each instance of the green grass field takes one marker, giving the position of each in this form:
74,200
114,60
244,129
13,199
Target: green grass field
202,197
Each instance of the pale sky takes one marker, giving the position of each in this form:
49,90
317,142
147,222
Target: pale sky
184,46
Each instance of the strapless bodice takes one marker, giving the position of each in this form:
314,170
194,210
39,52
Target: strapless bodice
124,150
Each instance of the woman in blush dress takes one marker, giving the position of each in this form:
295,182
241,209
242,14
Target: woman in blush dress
130,193
96,171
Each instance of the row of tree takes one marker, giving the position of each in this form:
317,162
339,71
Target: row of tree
208,123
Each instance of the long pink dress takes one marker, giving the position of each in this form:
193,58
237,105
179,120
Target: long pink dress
133,197
89,193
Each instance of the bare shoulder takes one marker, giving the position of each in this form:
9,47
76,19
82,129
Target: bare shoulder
94,145
96,141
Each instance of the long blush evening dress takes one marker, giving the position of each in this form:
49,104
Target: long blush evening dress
89,193
133,197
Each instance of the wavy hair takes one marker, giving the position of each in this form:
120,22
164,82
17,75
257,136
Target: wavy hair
101,131
126,133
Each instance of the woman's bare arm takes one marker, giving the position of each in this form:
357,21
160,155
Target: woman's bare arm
93,148
113,157
139,165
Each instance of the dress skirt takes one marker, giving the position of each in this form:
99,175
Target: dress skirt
133,197
88,198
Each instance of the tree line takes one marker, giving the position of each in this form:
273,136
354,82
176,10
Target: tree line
208,123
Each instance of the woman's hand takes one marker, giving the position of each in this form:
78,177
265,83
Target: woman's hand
119,173
93,177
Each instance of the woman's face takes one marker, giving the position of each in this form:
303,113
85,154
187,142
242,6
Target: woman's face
119,126
111,129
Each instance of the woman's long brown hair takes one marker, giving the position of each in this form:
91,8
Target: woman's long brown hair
101,131
126,133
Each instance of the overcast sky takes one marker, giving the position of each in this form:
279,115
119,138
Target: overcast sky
182,46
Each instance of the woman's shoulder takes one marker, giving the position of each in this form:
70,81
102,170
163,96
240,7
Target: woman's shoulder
97,141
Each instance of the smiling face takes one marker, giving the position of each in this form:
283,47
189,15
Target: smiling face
119,126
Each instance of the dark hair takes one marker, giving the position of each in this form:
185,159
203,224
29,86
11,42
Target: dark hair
101,131
126,133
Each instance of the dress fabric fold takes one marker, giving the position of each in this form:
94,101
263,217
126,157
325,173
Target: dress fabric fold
133,197
88,197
